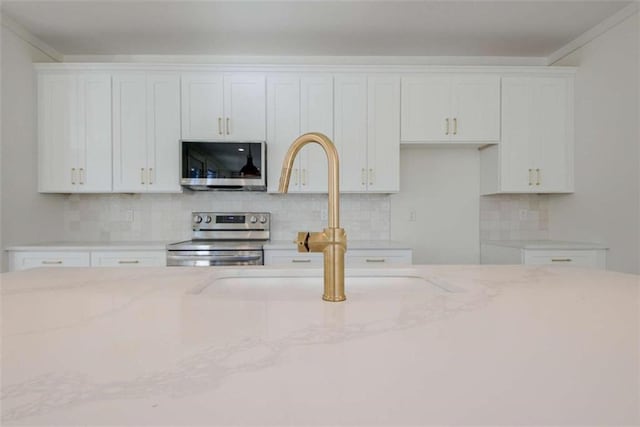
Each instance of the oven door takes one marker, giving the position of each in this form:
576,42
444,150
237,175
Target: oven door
206,258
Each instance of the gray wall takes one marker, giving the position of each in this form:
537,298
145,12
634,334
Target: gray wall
606,204
26,216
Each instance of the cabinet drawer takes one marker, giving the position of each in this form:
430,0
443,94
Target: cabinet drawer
25,260
128,258
361,258
292,258
575,258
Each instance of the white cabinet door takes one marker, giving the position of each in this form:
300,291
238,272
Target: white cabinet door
316,115
245,107
57,104
552,134
516,150
163,132
351,131
202,106
94,133
426,108
383,134
283,126
475,109
74,132
130,132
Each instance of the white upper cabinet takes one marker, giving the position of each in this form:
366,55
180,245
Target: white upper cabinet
316,115
367,116
383,134
283,126
440,108
146,132
536,152
351,131
223,106
203,106
74,132
298,104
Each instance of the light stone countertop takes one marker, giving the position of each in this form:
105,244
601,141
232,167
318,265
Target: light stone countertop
535,345
545,244
91,246
351,244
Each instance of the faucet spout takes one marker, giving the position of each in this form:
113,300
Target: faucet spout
332,241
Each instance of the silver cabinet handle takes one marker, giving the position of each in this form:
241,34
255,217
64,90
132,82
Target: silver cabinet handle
304,176
73,176
447,124
363,178
455,125
561,260
219,125
52,262
133,261
375,260
371,177
228,126
530,180
150,176
81,176
295,178
538,175
141,175
301,261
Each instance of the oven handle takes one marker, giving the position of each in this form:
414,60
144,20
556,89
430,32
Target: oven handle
232,258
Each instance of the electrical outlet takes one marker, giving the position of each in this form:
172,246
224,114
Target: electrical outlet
324,214
523,214
412,215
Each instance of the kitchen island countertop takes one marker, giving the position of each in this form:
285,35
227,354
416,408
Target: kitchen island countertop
257,346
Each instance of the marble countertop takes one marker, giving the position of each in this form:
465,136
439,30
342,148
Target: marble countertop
91,246
351,244
454,345
545,244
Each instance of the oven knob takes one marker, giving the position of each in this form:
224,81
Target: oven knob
197,219
253,220
207,219
263,220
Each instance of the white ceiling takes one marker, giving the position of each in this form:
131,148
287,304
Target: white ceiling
404,28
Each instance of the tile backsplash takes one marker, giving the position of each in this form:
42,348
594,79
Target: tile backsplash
167,217
514,217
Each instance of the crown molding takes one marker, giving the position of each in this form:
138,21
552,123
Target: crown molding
594,32
20,31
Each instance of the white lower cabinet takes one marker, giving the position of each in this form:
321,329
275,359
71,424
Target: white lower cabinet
129,258
569,255
24,260
353,258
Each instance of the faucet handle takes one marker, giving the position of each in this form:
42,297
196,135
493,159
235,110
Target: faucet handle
303,241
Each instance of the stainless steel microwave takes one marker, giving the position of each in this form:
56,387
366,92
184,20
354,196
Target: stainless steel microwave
217,165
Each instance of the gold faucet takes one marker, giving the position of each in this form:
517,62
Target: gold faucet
332,241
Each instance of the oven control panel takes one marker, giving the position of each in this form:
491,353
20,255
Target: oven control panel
201,221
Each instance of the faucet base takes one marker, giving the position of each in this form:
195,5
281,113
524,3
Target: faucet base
334,298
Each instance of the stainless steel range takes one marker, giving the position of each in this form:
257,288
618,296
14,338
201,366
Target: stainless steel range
222,238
